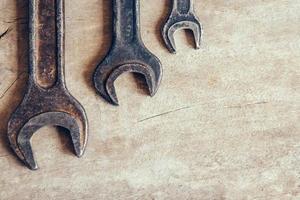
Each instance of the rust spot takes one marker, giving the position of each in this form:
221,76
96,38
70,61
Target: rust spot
213,81
46,43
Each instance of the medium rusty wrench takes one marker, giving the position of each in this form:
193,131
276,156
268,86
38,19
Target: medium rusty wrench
182,16
47,100
127,53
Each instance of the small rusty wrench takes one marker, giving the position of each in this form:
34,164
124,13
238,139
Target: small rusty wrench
47,100
127,53
182,17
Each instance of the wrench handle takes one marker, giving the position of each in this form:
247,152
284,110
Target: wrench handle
182,6
46,42
126,19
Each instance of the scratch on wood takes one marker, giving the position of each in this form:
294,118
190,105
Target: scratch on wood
5,32
165,113
12,84
271,196
248,104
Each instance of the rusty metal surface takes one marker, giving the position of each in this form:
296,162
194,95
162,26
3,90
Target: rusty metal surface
127,53
47,100
182,16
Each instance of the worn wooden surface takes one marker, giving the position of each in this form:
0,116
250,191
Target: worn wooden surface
224,124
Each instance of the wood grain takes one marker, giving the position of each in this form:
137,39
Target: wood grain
224,124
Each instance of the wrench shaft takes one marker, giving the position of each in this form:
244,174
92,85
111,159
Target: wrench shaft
46,42
182,6
126,21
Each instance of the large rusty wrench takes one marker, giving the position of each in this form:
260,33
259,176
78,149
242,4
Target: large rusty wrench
47,100
182,16
127,53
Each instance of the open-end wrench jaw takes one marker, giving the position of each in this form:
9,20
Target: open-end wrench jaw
41,108
179,19
128,59
127,53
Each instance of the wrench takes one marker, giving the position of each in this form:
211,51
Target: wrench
182,16
127,53
47,100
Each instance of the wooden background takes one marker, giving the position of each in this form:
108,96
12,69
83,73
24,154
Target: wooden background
224,124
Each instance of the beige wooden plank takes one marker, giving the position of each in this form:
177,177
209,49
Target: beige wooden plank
223,125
